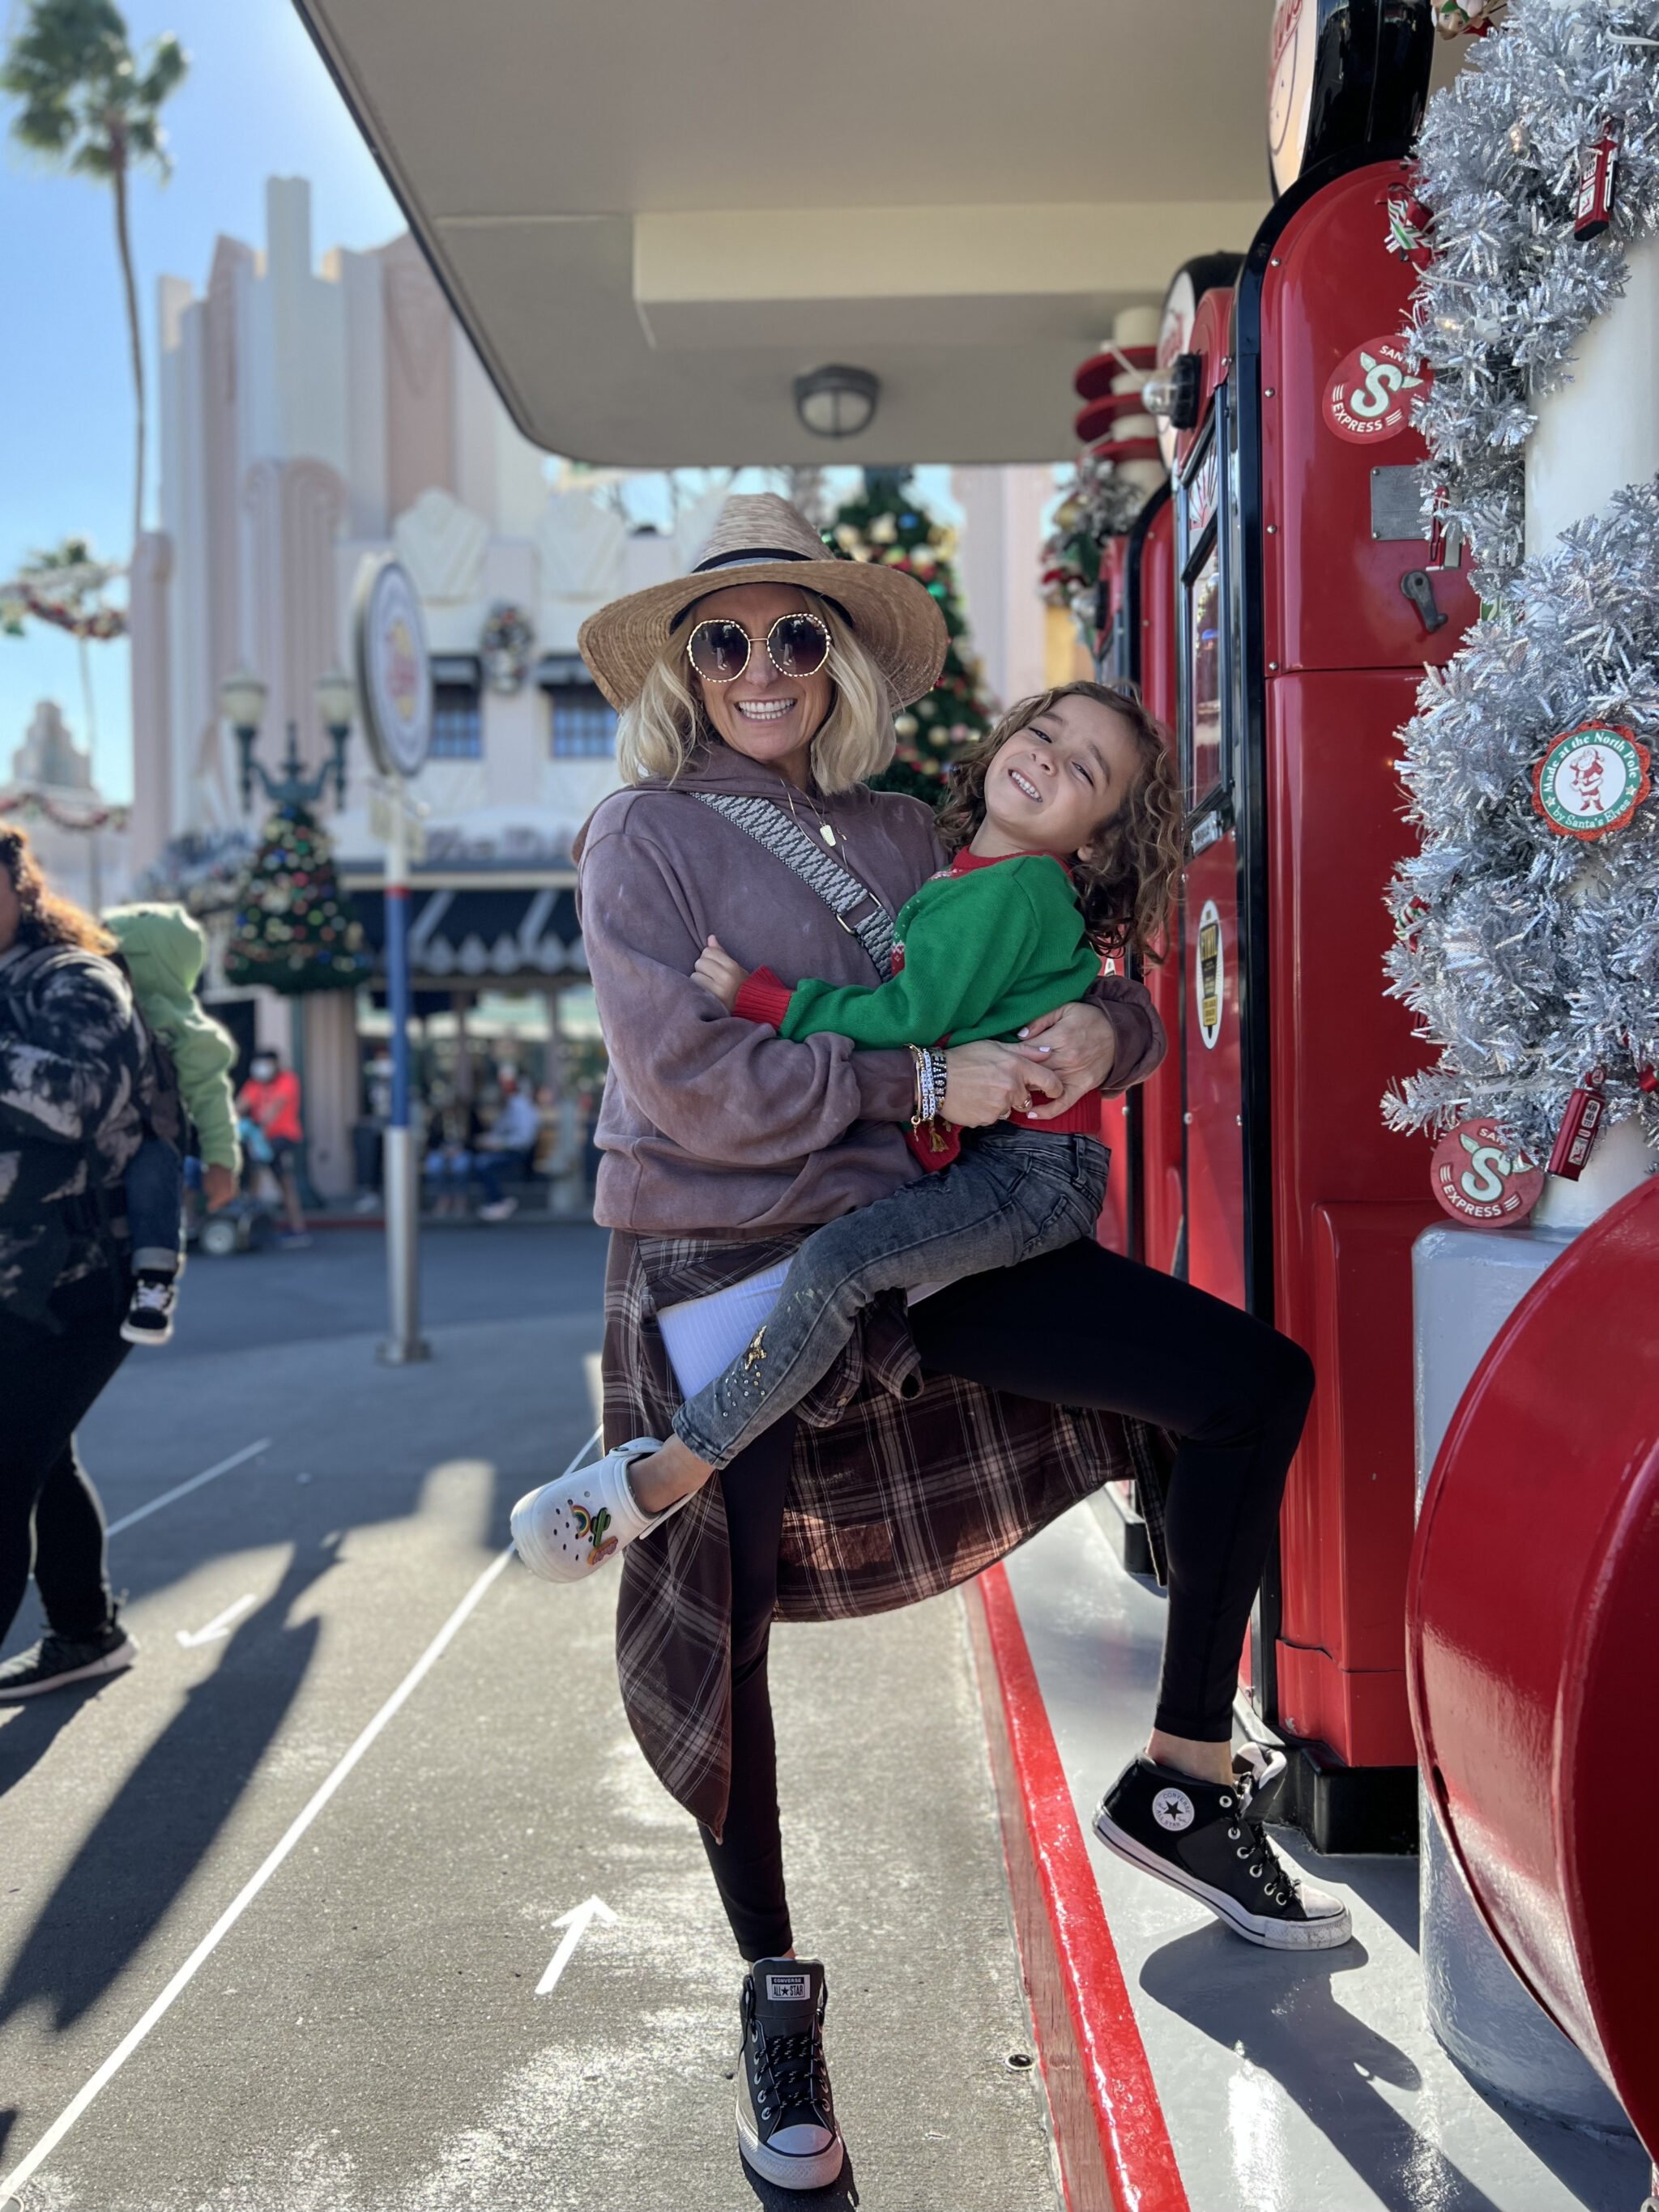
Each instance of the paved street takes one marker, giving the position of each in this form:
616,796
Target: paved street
336,1943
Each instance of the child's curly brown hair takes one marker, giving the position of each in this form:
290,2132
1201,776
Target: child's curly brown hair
1126,889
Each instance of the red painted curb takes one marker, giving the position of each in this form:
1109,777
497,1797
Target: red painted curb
1115,2154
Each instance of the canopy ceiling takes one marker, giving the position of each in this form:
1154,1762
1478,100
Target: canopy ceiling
652,215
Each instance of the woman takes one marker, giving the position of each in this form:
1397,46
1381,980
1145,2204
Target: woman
724,1145
75,1077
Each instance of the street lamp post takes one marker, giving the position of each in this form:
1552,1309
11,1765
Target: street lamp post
242,701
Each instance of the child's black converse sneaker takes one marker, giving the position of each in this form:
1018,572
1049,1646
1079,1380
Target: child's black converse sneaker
56,1662
150,1311
785,2116
1199,1836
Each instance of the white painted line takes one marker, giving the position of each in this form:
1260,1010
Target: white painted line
219,1626
182,1489
576,1923
245,1896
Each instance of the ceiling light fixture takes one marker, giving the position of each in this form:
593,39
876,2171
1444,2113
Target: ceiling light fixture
836,401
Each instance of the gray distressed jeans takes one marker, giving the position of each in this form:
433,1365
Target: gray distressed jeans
1013,1196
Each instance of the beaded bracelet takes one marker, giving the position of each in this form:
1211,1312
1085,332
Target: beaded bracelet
930,1070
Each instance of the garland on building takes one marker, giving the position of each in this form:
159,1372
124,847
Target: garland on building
885,524
36,804
1536,169
66,587
1097,504
294,928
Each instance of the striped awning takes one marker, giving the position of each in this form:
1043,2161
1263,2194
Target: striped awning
482,936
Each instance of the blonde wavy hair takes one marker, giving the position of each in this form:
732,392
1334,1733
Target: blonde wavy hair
658,733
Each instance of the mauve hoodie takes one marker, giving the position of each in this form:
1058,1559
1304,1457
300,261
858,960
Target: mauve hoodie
714,1125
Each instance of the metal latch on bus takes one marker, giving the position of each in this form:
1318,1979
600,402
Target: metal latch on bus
1418,588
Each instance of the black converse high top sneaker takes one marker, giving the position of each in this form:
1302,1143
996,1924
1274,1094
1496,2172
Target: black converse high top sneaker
1199,1836
786,2115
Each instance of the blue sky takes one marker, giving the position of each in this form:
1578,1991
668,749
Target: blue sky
257,103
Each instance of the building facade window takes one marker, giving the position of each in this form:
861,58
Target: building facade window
584,722
457,722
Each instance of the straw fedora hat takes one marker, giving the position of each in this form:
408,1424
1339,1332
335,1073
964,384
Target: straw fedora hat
760,538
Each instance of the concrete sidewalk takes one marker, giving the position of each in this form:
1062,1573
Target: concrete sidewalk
365,2037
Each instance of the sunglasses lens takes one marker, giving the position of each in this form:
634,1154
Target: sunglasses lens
798,645
719,650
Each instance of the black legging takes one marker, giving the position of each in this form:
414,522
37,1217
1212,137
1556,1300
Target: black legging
49,1516
1080,1327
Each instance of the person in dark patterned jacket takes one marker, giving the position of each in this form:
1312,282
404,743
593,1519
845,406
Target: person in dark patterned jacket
76,1075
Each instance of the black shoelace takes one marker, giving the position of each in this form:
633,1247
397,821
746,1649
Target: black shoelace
792,2071
1277,1884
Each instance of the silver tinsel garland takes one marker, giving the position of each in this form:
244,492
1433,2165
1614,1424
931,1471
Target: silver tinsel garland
1529,957
1510,290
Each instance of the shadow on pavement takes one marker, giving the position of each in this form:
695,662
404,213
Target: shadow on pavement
28,1731
168,1812
1280,2013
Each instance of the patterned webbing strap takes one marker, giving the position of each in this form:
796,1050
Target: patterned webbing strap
841,892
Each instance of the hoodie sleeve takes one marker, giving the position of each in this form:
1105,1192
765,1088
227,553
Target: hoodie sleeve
72,1071
721,1088
204,1055
1141,1041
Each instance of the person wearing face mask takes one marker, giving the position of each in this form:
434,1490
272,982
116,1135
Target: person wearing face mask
270,1100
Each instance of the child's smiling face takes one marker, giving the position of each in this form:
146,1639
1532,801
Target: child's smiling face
1053,785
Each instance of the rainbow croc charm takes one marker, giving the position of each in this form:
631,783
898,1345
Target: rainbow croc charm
569,1527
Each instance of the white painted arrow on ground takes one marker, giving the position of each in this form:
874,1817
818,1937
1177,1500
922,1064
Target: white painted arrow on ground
218,1627
575,1924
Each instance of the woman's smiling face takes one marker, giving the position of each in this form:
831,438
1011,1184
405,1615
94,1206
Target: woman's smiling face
769,717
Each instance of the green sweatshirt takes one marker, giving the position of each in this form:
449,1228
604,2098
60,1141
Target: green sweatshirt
165,949
986,949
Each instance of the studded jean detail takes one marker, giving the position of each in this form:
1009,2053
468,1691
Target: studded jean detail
1013,1196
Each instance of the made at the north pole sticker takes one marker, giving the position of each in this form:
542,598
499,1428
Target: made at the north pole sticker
1480,1180
1592,780
1211,978
1367,398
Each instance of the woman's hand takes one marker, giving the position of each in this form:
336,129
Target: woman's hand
986,1083
1078,1047
218,1186
717,971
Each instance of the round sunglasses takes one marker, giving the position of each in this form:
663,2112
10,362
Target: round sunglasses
796,644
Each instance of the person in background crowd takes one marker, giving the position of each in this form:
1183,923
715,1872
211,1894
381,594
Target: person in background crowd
162,950
513,1136
271,1099
452,1129
77,1079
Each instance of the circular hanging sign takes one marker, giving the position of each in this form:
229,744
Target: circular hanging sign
1367,397
1592,780
1479,1180
1343,74
1211,974
394,674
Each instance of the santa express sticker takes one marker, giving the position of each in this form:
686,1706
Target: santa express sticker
1480,1181
1592,780
1367,397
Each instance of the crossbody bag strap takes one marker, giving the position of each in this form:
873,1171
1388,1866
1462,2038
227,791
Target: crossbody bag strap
854,904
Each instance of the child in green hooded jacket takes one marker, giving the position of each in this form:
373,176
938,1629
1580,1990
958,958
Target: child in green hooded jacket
163,951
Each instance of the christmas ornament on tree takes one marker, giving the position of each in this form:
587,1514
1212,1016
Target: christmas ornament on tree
1516,164
1099,503
1529,946
294,928
886,524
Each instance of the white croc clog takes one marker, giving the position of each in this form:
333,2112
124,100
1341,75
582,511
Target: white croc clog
566,1529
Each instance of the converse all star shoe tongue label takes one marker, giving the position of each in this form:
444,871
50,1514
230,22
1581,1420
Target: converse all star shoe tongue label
1173,1809
791,1989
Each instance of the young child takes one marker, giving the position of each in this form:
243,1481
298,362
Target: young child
1067,826
163,950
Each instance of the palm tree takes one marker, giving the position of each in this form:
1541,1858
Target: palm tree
87,107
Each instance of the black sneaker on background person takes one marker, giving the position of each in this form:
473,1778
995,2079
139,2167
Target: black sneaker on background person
55,1661
1199,1836
787,2128
151,1308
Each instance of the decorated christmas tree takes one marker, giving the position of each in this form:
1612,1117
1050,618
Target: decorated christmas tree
293,927
1528,922
885,524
